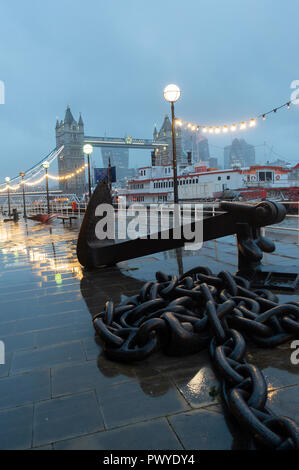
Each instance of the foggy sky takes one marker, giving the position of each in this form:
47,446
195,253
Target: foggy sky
111,61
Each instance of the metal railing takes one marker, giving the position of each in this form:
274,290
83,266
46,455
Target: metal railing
42,208
80,208
213,208
288,216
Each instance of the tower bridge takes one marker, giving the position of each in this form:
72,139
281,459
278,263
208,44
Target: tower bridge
70,134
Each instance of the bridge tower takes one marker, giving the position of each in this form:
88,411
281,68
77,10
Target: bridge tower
163,156
70,133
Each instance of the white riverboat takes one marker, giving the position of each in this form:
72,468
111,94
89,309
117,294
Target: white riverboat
198,182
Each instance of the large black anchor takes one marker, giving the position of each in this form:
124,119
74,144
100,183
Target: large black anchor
241,219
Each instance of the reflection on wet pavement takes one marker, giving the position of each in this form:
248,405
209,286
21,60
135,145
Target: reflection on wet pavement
57,388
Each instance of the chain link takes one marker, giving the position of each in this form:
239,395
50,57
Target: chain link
200,310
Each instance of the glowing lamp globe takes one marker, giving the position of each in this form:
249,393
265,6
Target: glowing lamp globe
88,149
7,179
172,93
46,165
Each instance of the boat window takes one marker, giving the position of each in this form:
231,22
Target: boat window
265,175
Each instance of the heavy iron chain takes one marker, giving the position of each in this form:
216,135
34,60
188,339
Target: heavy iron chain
200,310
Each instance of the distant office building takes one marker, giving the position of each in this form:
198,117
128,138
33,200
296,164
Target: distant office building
118,158
239,153
203,151
194,142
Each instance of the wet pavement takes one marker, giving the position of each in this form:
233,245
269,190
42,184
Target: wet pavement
57,388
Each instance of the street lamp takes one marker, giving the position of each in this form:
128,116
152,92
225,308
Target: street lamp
46,166
22,175
171,94
7,179
109,174
87,150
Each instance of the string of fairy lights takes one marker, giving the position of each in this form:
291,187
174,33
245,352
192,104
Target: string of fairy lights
70,175
40,180
36,182
225,128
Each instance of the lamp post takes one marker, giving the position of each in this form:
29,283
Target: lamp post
87,150
7,179
109,174
171,94
46,166
22,175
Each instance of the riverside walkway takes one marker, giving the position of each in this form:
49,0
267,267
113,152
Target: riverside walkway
57,388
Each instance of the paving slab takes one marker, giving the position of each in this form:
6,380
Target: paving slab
62,334
16,428
151,435
19,341
44,358
83,376
131,402
27,388
66,417
285,402
206,430
5,368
